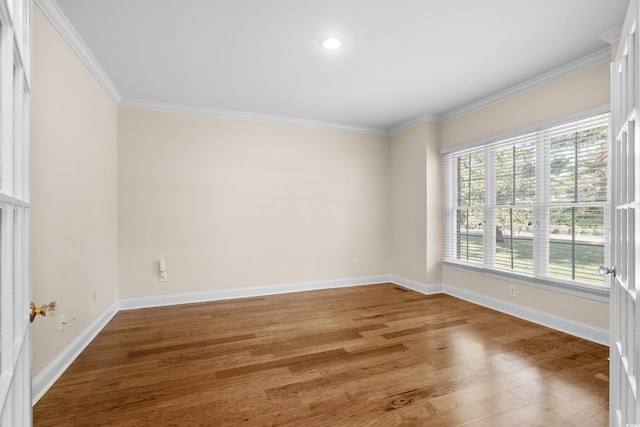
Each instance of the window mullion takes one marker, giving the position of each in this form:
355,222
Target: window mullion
541,211
576,198
489,212
451,195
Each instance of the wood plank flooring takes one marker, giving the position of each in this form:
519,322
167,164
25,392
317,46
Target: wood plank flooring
376,355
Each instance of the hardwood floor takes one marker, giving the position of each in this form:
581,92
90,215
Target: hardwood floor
376,355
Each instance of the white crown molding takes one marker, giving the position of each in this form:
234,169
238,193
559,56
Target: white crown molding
603,55
216,112
63,26
611,36
432,118
51,373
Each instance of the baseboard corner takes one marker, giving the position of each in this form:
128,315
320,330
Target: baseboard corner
423,288
56,368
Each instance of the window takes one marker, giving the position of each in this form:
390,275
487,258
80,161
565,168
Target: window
470,185
534,205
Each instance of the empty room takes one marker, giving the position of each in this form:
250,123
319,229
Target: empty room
338,213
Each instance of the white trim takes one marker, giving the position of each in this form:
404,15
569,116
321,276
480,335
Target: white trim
430,118
603,55
60,22
223,294
578,329
416,286
217,112
612,35
51,373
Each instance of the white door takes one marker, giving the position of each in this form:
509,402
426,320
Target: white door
625,185
15,287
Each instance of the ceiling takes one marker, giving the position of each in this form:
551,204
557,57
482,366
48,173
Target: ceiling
402,60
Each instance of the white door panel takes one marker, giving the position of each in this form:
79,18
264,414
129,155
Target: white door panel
625,330
15,288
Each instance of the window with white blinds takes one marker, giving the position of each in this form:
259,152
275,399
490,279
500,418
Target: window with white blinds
534,205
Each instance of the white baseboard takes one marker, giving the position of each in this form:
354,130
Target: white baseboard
416,286
582,330
195,297
48,376
51,373
571,327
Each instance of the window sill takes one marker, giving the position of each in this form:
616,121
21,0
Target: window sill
597,293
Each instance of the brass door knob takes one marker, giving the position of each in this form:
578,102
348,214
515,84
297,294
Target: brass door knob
42,311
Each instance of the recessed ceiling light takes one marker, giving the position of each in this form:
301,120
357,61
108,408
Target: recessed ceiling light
332,43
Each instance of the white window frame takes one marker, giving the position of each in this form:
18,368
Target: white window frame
541,235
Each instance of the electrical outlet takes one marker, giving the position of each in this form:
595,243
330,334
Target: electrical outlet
369,262
62,322
94,296
512,291
354,262
162,270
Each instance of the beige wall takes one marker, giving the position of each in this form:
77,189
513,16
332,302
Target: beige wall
416,203
231,203
74,184
579,92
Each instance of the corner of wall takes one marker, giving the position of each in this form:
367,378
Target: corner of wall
416,207
74,200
